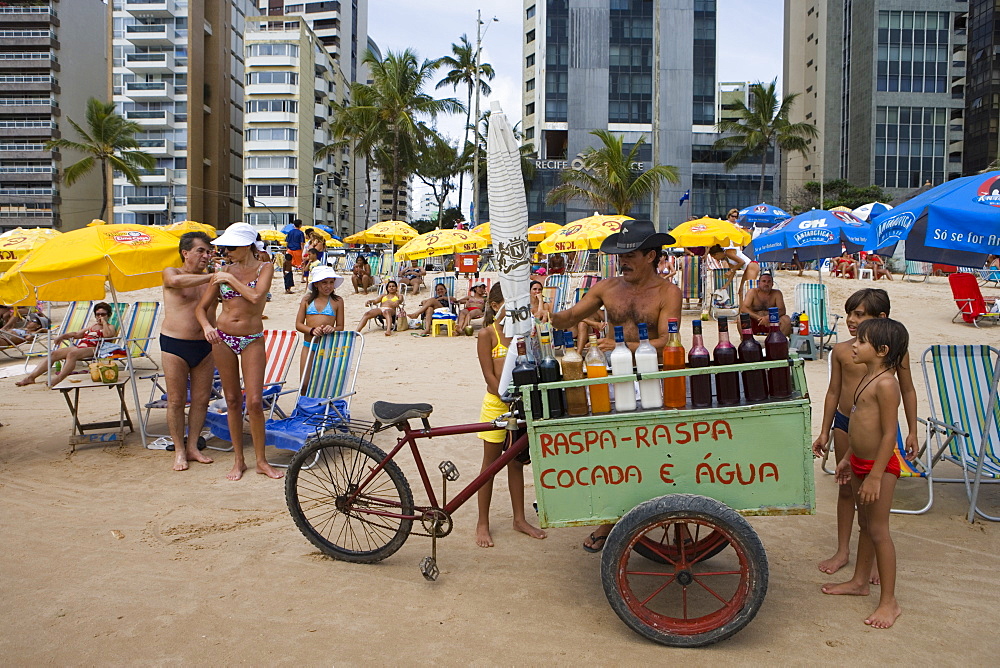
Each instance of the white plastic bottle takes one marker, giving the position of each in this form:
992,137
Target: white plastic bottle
650,391
621,365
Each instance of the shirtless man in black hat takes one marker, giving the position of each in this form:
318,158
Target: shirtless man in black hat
640,294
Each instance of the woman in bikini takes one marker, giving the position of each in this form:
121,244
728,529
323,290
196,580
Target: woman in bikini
441,299
87,343
736,259
321,311
475,304
385,306
238,339
361,274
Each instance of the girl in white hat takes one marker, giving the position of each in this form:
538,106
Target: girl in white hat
321,310
237,339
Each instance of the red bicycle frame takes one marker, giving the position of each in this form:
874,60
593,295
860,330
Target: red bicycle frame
410,436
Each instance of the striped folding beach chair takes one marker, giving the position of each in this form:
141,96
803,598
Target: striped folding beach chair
989,276
324,396
75,319
723,298
561,284
965,415
580,262
349,259
813,299
692,287
607,265
917,271
139,329
449,283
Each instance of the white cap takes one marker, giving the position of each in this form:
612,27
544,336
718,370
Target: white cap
323,272
237,234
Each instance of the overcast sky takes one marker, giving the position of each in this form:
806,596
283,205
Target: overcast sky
429,27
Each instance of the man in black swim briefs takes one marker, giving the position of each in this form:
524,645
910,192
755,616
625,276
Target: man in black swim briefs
187,356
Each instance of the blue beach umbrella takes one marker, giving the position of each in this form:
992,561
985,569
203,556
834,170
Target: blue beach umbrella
326,228
957,223
814,235
287,228
762,215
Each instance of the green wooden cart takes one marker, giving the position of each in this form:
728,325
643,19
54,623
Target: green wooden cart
681,566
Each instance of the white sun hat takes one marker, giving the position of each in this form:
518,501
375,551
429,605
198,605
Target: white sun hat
323,272
237,234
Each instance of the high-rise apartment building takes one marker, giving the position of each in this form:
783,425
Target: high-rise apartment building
600,64
290,79
884,81
982,87
52,59
341,27
177,70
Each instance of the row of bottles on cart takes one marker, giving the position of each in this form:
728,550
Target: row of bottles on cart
682,392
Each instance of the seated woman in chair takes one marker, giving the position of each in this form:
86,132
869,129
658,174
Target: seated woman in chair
538,303
386,306
321,310
24,330
845,266
412,276
441,299
88,343
361,274
877,265
475,304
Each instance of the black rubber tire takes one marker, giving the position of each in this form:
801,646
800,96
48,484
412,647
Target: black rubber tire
742,541
311,495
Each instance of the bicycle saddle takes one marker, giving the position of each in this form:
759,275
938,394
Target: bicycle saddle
388,413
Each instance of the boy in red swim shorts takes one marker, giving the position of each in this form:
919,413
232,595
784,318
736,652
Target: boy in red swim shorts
871,467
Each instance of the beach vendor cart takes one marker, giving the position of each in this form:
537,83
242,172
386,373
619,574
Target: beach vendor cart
682,566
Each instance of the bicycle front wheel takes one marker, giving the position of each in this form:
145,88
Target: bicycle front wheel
331,510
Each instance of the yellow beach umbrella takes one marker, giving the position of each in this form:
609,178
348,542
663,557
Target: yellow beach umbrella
483,230
539,231
96,221
272,235
709,232
387,232
185,226
440,242
19,242
586,233
75,265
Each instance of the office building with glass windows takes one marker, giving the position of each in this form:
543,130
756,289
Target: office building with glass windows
884,81
982,87
177,71
594,64
53,57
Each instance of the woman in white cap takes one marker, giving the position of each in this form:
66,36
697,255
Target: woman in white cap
237,339
321,310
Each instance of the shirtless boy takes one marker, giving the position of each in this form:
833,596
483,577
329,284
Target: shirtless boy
638,295
844,378
186,353
871,468
758,300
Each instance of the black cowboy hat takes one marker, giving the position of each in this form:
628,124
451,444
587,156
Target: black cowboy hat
635,235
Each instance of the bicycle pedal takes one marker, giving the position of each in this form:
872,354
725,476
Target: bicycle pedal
429,568
448,470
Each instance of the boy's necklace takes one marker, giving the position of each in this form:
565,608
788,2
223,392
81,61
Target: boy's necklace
860,390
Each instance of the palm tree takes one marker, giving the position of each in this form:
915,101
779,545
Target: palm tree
762,125
438,164
359,129
463,73
609,178
110,140
393,107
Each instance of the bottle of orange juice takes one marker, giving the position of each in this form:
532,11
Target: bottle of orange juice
600,398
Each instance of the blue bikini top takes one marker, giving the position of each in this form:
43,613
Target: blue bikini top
327,310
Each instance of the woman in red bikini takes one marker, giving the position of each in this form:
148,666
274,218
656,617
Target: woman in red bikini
238,339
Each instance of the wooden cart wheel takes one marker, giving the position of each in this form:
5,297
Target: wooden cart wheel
680,599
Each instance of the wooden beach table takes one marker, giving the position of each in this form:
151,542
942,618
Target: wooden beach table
101,432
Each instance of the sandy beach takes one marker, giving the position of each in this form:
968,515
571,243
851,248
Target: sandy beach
112,558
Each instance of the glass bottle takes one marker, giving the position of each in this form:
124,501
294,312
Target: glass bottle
548,372
600,399
525,374
674,390
727,385
779,380
572,369
647,361
698,357
754,382
622,365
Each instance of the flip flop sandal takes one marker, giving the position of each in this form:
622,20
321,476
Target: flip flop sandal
598,543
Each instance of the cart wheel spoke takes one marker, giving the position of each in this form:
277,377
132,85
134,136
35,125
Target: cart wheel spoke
654,594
